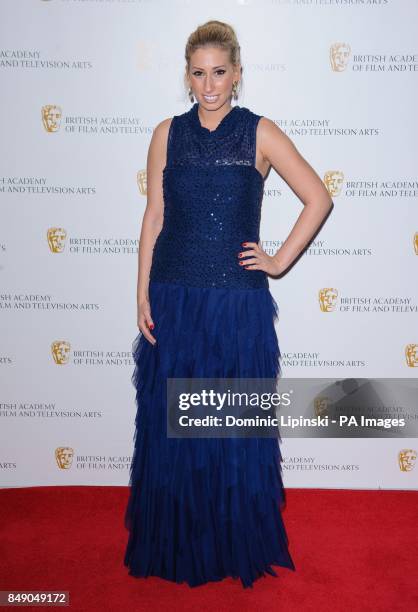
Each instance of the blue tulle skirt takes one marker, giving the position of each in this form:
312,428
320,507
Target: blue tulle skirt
203,509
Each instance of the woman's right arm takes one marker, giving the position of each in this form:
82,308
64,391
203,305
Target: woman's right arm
152,223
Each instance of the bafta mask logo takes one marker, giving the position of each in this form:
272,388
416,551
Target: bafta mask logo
416,243
141,179
327,299
411,354
333,180
321,406
60,351
51,117
56,239
407,458
64,457
339,54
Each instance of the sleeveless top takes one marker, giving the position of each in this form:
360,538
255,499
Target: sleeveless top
212,203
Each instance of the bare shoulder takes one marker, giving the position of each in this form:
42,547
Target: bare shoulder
158,145
161,129
271,136
268,130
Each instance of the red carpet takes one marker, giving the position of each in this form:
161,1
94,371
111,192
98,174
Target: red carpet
353,551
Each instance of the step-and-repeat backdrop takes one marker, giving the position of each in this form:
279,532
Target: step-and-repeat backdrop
83,84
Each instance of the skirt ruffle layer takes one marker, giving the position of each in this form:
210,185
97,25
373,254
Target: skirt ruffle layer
200,510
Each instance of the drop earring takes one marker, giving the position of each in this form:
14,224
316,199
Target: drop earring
191,95
234,90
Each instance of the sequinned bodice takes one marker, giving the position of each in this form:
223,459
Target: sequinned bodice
212,202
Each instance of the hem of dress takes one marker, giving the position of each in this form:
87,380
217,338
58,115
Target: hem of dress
245,585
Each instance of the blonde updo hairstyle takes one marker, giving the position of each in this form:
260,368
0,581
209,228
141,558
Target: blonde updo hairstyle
214,34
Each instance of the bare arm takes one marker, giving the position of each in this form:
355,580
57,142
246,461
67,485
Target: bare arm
152,221
279,151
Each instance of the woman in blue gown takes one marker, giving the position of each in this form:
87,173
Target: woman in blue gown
200,510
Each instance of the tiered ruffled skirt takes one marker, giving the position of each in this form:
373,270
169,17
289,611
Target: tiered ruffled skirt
203,509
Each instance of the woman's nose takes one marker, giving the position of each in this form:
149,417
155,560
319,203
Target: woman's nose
208,85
